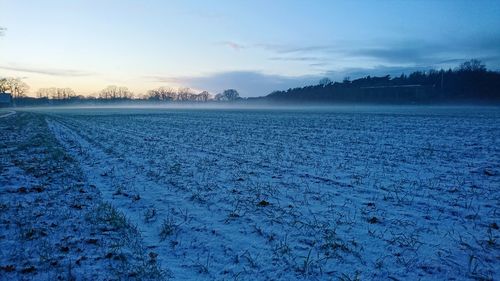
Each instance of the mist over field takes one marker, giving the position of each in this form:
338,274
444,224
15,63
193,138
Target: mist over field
249,140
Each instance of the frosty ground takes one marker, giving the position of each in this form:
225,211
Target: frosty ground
343,193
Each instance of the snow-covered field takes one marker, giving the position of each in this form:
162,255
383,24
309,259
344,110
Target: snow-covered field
344,193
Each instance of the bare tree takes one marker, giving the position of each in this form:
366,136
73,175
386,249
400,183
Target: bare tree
203,96
325,81
184,94
56,93
162,93
45,93
67,93
114,92
15,86
228,95
472,66
3,85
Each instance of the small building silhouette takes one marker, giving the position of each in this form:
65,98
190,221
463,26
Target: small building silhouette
5,99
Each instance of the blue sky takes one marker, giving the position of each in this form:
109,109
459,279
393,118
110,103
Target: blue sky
252,46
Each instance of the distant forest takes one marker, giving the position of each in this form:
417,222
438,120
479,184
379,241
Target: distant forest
16,89
470,82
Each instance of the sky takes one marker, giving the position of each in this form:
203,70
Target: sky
252,46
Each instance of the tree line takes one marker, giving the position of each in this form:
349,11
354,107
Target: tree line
18,89
471,81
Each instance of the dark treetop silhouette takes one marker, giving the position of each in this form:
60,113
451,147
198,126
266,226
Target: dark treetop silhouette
470,82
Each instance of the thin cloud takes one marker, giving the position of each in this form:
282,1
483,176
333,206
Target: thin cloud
390,52
392,55
45,71
248,83
2,30
233,45
160,79
297,58
455,60
318,64
290,49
